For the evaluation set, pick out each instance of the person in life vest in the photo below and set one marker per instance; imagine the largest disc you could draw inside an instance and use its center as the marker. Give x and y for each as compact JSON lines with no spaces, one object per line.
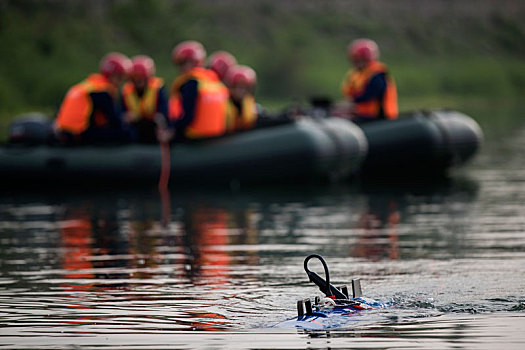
{"x":144,"y":99}
{"x":198,"y":99}
{"x":369,"y":85}
{"x":220,"y":62}
{"x":242,"y":110}
{"x":89,"y":111}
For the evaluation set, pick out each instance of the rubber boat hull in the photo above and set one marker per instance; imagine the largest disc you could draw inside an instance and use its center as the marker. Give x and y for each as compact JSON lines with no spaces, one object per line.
{"x":307,"y":150}
{"x":421,"y":144}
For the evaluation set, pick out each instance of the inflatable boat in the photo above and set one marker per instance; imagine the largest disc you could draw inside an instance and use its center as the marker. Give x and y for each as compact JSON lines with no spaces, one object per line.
{"x":335,"y":310}
{"x":310,"y":149}
{"x":420,"y":144}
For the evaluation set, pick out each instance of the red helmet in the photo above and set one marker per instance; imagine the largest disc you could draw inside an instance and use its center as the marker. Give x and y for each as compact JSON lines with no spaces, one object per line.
{"x":114,"y":63}
{"x":241,"y":75}
{"x":363,"y":49}
{"x":189,"y":50}
{"x":220,"y":62}
{"x":142,"y":67}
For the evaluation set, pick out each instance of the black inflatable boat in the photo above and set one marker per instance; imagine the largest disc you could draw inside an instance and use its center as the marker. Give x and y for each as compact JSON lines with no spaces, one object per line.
{"x":308,"y":150}
{"x":420,"y":144}
{"x":311,"y":149}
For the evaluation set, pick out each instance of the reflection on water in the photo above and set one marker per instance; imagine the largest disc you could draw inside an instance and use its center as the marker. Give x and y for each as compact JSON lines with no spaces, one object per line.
{"x":379,"y":224}
{"x":450,"y":256}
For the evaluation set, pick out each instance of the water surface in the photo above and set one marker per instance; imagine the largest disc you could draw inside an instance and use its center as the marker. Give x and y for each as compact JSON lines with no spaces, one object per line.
{"x":99,"y":269}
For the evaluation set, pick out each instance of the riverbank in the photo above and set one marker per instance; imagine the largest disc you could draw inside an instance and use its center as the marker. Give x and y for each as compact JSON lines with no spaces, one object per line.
{"x":435,"y":49}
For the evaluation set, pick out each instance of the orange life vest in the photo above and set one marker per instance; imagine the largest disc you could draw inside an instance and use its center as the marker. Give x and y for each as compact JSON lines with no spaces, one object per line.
{"x":210,"y":109}
{"x":75,"y":114}
{"x":244,"y":119}
{"x":355,"y":84}
{"x":145,"y":107}
{"x":174,"y":107}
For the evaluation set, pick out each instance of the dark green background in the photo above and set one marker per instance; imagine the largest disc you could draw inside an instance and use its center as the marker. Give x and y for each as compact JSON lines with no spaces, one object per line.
{"x":439,"y":51}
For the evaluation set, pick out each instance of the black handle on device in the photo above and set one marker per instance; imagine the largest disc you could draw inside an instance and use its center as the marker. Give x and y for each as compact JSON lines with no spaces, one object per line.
{"x":324,"y":286}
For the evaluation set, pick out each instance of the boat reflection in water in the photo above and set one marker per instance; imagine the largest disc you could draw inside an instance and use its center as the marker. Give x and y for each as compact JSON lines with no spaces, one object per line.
{"x":120,"y":245}
{"x":91,"y":247}
{"x":378,"y":223}
{"x":224,"y":261}
{"x":204,"y":236}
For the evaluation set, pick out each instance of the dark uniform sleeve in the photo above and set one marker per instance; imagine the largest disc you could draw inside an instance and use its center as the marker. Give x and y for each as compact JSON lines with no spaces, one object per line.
{"x":122,"y":104}
{"x":162,"y":103}
{"x":188,"y":92}
{"x":115,"y":130}
{"x":375,"y":89}
{"x":103,"y":102}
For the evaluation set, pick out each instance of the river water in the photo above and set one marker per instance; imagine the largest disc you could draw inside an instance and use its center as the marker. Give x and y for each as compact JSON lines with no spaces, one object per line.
{"x":111,"y":269}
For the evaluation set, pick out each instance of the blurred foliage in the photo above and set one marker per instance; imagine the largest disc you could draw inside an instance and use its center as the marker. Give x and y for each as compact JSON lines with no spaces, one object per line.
{"x":298,"y":48}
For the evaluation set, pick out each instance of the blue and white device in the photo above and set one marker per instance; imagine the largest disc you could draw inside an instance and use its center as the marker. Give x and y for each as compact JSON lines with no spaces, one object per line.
{"x":332,"y":310}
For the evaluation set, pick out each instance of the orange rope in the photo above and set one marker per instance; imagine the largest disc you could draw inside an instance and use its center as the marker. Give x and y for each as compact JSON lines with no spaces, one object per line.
{"x":165,"y":165}
{"x":164,"y":180}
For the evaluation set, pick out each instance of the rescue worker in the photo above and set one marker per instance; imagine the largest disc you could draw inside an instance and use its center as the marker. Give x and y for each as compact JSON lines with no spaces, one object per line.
{"x":144,"y":99}
{"x":89,"y":111}
{"x":198,"y":94}
{"x":242,"y":110}
{"x":220,"y":62}
{"x":369,"y":86}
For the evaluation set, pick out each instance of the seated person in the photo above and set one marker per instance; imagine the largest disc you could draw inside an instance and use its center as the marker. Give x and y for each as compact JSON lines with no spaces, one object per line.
{"x":88,"y":113}
{"x":369,"y":87}
{"x":198,"y":99}
{"x":144,"y":101}
{"x":242,"y":110}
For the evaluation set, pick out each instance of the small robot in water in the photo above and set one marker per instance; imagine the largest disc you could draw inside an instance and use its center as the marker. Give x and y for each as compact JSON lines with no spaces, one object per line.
{"x":332,"y":310}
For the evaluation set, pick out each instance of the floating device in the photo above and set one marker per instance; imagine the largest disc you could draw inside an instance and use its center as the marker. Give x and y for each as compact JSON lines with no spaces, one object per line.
{"x":332,"y":310}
